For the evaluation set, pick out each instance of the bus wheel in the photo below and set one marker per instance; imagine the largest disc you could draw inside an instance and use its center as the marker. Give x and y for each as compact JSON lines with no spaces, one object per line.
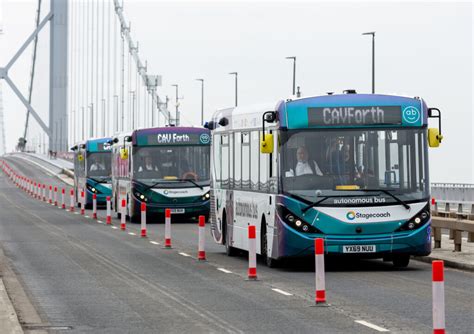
{"x":229,"y":250}
{"x":271,"y":263}
{"x":401,"y":261}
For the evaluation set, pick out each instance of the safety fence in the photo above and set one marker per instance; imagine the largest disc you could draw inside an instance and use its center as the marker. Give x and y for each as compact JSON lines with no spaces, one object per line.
{"x":49,"y":194}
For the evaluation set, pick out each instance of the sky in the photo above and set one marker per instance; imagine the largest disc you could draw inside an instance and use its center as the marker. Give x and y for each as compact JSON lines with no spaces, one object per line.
{"x":422,"y":49}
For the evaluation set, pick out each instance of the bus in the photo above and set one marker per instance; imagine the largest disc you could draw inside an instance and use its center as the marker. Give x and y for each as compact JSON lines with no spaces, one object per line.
{"x":92,"y":170}
{"x":165,"y":167}
{"x":349,"y":168}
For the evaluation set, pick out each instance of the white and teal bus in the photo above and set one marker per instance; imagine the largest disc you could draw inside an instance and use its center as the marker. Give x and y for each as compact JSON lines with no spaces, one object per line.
{"x":349,"y":168}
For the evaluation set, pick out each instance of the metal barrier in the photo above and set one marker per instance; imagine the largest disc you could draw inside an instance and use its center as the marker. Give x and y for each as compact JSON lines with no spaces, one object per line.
{"x":455,"y":227}
{"x":453,"y":200}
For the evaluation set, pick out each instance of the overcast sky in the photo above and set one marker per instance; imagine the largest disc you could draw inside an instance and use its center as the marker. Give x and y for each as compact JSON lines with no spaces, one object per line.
{"x":422,"y":49}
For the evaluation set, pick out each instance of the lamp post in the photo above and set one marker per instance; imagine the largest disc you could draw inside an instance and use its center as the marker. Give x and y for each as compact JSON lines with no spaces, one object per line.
{"x":373,"y":58}
{"x":176,"y":121}
{"x":235,"y":73}
{"x":202,"y":100}
{"x":294,"y":72}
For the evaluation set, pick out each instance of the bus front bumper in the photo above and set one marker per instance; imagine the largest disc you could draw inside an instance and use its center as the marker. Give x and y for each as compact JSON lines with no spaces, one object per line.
{"x":417,"y":242}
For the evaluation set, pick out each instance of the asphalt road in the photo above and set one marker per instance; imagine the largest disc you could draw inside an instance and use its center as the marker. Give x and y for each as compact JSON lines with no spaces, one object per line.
{"x":90,"y":277}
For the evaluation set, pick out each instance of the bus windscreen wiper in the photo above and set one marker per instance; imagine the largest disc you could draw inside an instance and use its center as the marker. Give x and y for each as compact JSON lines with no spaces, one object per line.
{"x":154,"y":184}
{"x":193,"y":182}
{"x":98,"y":181}
{"x":387,"y":192}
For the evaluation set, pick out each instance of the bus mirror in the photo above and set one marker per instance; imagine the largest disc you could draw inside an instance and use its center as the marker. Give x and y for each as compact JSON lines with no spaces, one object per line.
{"x":266,"y":144}
{"x":269,"y":116}
{"x":115,"y":140}
{"x":80,"y":157}
{"x":434,"y":137}
{"x":124,"y":153}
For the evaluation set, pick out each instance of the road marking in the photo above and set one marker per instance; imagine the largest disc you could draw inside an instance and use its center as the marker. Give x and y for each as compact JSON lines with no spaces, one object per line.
{"x":154,"y":243}
{"x":282,"y":292}
{"x":368,"y":324}
{"x":224,"y":270}
{"x":100,"y":222}
{"x":114,"y":227}
{"x":131,"y":233}
{"x":87,"y":216}
{"x":76,"y":213}
{"x":184,"y":254}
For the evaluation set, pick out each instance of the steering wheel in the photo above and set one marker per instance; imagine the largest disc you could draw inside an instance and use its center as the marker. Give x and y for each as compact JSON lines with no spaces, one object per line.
{"x":192,"y":175}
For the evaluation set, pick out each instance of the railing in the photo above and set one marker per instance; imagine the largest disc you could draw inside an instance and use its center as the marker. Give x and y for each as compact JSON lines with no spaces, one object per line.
{"x":456,"y":227}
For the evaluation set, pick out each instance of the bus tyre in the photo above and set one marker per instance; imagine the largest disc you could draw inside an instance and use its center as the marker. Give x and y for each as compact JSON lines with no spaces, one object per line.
{"x":271,"y":263}
{"x":229,"y":250}
{"x":401,"y":261}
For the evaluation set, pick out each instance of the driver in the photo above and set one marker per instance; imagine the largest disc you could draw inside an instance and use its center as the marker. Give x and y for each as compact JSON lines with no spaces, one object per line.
{"x":303,"y":165}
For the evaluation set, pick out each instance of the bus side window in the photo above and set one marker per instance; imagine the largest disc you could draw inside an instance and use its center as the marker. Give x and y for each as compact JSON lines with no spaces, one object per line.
{"x":254,"y":160}
{"x":245,"y":160}
{"x":264,"y":169}
{"x":225,"y":161}
{"x":237,"y":159}
{"x":217,"y":159}
{"x":231,"y":160}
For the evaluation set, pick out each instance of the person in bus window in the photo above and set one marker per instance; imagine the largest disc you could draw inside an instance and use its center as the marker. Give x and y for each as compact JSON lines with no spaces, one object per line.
{"x":96,"y":165}
{"x":148,"y":165}
{"x":304,"y":166}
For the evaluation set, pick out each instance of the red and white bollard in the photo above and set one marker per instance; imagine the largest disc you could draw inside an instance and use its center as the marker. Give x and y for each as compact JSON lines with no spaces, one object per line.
{"x":94,"y":206}
{"x":50,"y":194}
{"x":320,"y":297}
{"x":143,"y":219}
{"x":38,"y":191}
{"x":44,"y":192}
{"x":35,"y":186}
{"x":252,"y":271}
{"x":63,"y":203}
{"x":438,"y":297}
{"x":202,"y":238}
{"x":108,"y":220}
{"x":83,"y":203}
{"x":55,"y":196}
{"x":167,"y":228}
{"x":123,"y":216}
{"x":71,"y":204}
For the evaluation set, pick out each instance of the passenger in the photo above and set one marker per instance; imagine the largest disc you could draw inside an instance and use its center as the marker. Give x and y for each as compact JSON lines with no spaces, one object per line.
{"x":96,"y":165}
{"x":303,"y":166}
{"x":148,"y":165}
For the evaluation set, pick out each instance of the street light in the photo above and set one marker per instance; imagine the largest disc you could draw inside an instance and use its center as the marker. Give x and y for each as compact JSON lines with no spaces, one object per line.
{"x":235,"y":73}
{"x":177,"y":105}
{"x":294,"y":72}
{"x":373,"y":58}
{"x":202,"y":100}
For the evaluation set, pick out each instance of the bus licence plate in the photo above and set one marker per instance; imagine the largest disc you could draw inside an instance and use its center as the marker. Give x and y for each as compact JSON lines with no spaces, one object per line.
{"x":174,"y":211}
{"x":359,"y":249}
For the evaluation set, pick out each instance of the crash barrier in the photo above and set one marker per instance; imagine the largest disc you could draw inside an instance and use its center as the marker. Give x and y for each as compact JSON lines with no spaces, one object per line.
{"x":456,"y":228}
{"x":450,"y":209}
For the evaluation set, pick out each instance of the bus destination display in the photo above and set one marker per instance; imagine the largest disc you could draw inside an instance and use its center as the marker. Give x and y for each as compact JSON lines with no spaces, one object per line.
{"x":370,"y":115}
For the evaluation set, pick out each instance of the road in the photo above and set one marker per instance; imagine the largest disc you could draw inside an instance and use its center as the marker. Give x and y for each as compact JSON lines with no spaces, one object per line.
{"x":90,"y":277}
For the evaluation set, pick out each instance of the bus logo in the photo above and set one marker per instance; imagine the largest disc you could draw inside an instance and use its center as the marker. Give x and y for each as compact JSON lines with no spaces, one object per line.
{"x":204,"y":138}
{"x":351,"y":215}
{"x":411,"y":115}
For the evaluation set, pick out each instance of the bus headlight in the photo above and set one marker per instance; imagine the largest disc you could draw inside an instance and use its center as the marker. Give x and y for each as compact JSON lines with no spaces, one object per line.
{"x":416,"y":221}
{"x":206,"y":196}
{"x":140,"y":196}
{"x":293,"y":221}
{"x":92,"y":189}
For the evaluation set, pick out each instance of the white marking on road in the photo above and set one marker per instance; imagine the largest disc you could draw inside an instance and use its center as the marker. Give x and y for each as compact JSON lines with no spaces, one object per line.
{"x":184,"y":254}
{"x":76,"y":213}
{"x":87,"y":216}
{"x":368,"y":324}
{"x":282,"y":292}
{"x":131,"y":233}
{"x":100,"y":222}
{"x":114,"y":227}
{"x":154,"y":243}
{"x":224,"y":270}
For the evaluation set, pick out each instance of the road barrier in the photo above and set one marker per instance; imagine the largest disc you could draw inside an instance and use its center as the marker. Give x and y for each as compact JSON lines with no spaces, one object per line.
{"x":167,"y":228}
{"x":50,"y":194}
{"x":71,"y":204}
{"x":63,"y":194}
{"x":108,"y":219}
{"x":143,"y":219}
{"x":123,"y":216}
{"x":94,"y":206}
{"x":438,"y":297}
{"x":55,"y":196}
{"x":456,"y":226}
{"x":252,"y":270}
{"x":320,"y":296}
{"x":83,"y":203}
{"x":44,"y":192}
{"x":38,"y":192}
{"x":202,"y":238}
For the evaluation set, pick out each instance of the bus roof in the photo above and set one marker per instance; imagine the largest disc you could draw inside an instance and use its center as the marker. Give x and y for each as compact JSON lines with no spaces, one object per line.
{"x":98,"y":144}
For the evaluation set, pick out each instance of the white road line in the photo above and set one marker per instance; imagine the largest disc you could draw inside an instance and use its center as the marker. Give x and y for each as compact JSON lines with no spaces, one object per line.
{"x":154,"y":243}
{"x":283,"y":292}
{"x":76,"y":213}
{"x":184,"y":254}
{"x":114,"y":227}
{"x":131,"y":233}
{"x":87,"y":216}
{"x":368,"y":324}
{"x":224,"y":270}
{"x":100,"y":222}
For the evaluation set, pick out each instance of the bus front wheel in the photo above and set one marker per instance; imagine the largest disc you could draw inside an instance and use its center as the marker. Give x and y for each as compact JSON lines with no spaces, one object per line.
{"x":401,"y":261}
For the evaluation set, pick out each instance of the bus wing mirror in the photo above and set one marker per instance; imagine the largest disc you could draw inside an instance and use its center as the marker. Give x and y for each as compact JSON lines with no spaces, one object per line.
{"x":266,"y":144}
{"x":434,"y":137}
{"x":124,"y":153}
